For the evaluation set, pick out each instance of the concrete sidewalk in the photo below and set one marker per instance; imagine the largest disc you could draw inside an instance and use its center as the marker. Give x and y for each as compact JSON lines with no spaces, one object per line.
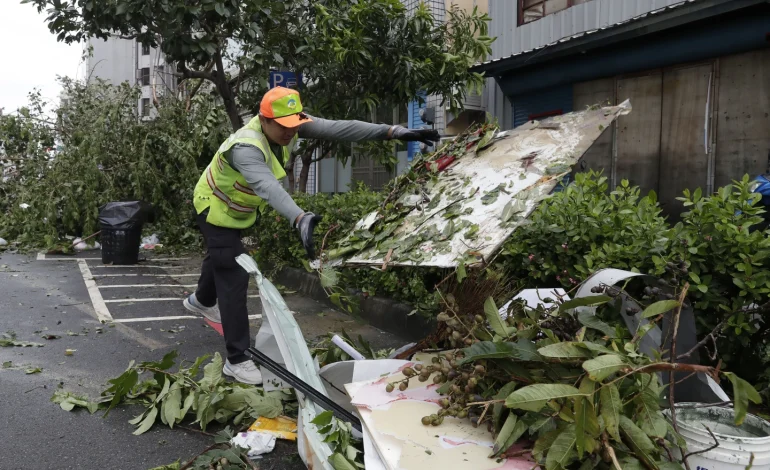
{"x":146,"y":319}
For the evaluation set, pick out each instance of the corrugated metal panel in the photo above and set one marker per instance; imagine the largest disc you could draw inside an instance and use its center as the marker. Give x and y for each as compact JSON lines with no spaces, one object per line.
{"x":513,"y":39}
{"x":545,"y":101}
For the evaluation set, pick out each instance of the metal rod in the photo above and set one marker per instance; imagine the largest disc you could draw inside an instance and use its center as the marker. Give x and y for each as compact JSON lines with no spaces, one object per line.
{"x":316,"y":396}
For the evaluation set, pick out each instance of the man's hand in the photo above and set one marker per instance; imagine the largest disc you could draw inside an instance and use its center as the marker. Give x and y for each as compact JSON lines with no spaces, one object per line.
{"x":305,"y":226}
{"x":426,"y":136}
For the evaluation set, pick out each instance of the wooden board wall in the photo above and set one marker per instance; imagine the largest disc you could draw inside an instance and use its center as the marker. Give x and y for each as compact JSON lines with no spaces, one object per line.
{"x":638,"y":133}
{"x":743,"y":123}
{"x":684,"y":157}
{"x":602,"y":92}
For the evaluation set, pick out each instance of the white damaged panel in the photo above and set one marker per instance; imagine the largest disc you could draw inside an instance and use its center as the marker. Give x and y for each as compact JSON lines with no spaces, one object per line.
{"x":469,"y":209}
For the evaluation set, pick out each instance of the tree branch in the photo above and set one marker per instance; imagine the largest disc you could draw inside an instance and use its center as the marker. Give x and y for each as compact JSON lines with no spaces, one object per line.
{"x":671,"y":379}
{"x":204,"y":74}
{"x":716,"y":444}
{"x":702,"y":342}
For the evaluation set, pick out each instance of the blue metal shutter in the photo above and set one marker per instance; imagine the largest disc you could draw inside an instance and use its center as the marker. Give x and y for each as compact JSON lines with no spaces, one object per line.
{"x":542,"y":101}
{"x":414,"y":122}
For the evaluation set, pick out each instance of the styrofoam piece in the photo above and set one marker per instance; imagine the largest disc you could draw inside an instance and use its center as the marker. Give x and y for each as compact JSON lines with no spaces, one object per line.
{"x":534,"y":297}
{"x":350,"y":350}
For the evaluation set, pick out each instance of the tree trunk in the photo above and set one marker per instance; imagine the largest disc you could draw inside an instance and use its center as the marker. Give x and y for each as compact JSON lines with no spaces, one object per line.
{"x":226,"y":92}
{"x":290,"y":171}
{"x":307,"y":159}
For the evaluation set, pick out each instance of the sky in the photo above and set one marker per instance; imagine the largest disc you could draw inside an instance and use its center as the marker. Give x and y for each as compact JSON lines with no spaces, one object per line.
{"x":31,"y":56}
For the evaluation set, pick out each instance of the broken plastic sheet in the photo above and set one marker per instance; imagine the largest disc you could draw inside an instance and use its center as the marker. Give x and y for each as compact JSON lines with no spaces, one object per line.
{"x":125,"y":214}
{"x":534,"y":297}
{"x":283,"y":342}
{"x":697,"y":388}
{"x":489,"y":194}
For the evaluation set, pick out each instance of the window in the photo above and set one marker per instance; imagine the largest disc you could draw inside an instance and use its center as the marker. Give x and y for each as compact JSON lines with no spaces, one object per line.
{"x":145,"y":76}
{"x":145,"y":49}
{"x":145,"y":106}
{"x":532,"y":10}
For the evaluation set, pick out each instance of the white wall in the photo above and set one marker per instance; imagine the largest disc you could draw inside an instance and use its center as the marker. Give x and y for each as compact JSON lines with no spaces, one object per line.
{"x":113,"y":60}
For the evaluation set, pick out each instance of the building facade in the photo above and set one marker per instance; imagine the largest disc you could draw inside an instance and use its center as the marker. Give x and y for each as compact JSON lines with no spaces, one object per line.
{"x":118,"y":60}
{"x":697,"y":74}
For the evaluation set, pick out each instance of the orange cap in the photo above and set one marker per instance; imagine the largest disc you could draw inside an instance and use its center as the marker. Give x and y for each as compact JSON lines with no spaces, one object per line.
{"x":283,"y":105}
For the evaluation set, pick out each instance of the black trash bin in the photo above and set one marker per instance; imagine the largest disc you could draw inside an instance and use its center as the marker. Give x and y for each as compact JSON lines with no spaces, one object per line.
{"x":121,"y":225}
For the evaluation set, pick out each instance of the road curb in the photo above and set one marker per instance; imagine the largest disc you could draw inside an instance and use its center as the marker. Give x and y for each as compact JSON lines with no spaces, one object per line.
{"x":381,"y":312}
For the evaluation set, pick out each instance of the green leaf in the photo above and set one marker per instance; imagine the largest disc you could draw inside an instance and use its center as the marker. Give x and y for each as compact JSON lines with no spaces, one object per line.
{"x":121,"y":386}
{"x":562,"y":451}
{"x":586,"y":422}
{"x":601,"y":367}
{"x":172,"y":405}
{"x":329,"y":278}
{"x":497,"y":408}
{"x":339,"y":462}
{"x":589,"y":319}
{"x":533,"y":397}
{"x":212,"y":373}
{"x":488,"y":136}
{"x":637,"y":440}
{"x":323,"y":419}
{"x":544,"y":442}
{"x":610,"y":409}
{"x":659,"y":308}
{"x":33,"y":370}
{"x":461,"y":273}
{"x":148,"y":421}
{"x":510,"y":433}
{"x":584,"y":302}
{"x":742,"y":393}
{"x":652,"y":421}
{"x":565,"y":350}
{"x":494,"y":319}
{"x":521,"y":350}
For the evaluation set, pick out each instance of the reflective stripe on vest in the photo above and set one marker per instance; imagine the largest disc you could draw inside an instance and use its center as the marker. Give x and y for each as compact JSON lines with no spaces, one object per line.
{"x":223,"y":197}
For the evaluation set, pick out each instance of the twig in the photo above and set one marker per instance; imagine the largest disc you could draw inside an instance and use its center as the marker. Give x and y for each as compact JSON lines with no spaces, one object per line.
{"x":199,"y":431}
{"x":701,"y":342}
{"x":189,"y":464}
{"x":671,"y":380}
{"x":611,"y":451}
{"x":87,"y":238}
{"x":323,"y":242}
{"x":716,"y":444}
{"x":483,"y":413}
{"x":35,"y":388}
{"x":387,"y":259}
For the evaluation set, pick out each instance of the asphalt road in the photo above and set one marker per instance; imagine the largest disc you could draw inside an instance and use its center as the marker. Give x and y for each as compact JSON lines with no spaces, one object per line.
{"x":39,"y":297}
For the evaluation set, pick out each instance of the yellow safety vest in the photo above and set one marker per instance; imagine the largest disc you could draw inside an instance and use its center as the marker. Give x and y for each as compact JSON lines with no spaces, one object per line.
{"x":225,"y":192}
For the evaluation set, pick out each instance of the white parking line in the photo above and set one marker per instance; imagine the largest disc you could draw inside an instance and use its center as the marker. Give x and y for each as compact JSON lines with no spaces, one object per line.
{"x":135,"y":266}
{"x":142,"y":274}
{"x":180,"y":317}
{"x":157,"y":299}
{"x":102,"y":313}
{"x":42,"y":257}
{"x":146,"y":286}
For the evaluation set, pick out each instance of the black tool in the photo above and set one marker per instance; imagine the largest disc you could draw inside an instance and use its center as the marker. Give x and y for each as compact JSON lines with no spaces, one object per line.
{"x":319,"y":398}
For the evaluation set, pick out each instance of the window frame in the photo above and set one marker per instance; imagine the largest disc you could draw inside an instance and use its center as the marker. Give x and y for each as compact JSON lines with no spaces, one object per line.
{"x":146,"y":107}
{"x":145,"y":48}
{"x":144,"y":77}
{"x":520,"y":10}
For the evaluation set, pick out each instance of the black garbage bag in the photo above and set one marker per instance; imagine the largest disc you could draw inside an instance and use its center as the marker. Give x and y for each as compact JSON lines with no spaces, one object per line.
{"x":126,"y":214}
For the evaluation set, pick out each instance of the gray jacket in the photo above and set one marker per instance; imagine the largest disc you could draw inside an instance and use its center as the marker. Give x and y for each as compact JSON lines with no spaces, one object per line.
{"x":249,"y":161}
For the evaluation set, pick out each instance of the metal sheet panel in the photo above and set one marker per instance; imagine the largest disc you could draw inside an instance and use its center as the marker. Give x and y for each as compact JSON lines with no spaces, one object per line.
{"x":512,"y":39}
{"x":638,"y":134}
{"x":683,"y":147}
{"x":522,"y":167}
{"x":598,"y":92}
{"x":557,"y":98}
{"x":743,"y":122}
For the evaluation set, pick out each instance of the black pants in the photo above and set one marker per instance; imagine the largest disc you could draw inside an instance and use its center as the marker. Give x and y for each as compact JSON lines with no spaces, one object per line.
{"x":223,"y":279}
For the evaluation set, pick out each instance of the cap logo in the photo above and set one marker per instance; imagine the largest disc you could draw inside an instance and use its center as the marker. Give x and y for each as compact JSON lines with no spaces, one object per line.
{"x":292,"y":103}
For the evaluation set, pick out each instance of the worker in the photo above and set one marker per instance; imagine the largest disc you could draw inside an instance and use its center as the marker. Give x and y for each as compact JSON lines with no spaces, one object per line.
{"x":238,"y":184}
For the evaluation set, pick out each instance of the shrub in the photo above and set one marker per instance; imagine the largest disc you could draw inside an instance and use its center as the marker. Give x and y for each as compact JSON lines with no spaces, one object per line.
{"x":583,"y":229}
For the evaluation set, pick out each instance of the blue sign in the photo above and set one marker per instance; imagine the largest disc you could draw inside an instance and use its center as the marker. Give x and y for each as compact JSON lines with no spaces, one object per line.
{"x":285,"y":79}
